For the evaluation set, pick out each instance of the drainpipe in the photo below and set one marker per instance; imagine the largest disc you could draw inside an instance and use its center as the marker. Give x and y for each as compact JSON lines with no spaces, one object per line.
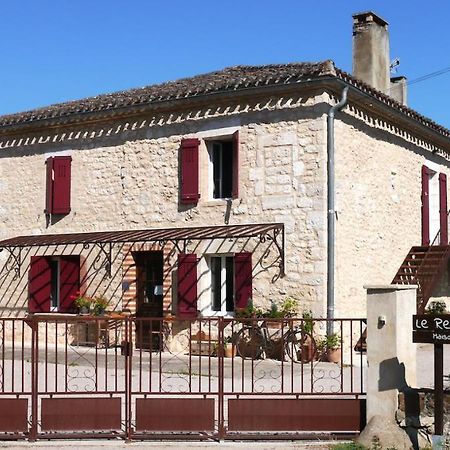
{"x":330,"y":206}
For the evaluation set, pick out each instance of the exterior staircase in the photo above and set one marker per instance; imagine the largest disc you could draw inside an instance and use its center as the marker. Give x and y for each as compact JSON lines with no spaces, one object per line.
{"x":423,"y":266}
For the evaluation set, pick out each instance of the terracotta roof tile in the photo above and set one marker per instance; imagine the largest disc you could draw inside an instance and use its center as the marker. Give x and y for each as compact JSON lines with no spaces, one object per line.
{"x":229,"y":79}
{"x":232,"y":78}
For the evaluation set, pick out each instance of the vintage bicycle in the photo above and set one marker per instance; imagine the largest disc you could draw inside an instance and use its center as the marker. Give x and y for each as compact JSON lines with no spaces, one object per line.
{"x":255,"y":341}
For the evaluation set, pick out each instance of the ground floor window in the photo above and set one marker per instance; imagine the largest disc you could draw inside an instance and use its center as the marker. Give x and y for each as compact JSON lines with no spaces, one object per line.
{"x":214,"y":284}
{"x":222,"y":283}
{"x":53,"y":283}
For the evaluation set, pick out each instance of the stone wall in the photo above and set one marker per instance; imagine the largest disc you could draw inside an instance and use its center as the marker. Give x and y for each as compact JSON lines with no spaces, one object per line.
{"x":125,"y":176}
{"x":378,"y":202}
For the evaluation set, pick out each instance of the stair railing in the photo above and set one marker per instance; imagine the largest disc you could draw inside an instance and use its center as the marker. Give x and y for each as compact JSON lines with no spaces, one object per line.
{"x":424,"y":291}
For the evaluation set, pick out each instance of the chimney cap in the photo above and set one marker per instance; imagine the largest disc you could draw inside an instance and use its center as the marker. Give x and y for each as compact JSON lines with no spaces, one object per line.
{"x":369,"y":16}
{"x":398,"y":79}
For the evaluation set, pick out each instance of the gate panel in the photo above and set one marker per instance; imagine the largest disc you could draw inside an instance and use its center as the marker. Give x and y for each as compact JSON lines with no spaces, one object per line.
{"x":81,"y":414}
{"x":13,"y":415}
{"x":174,"y":387}
{"x":332,"y":415}
{"x":81,"y":377}
{"x":195,"y":414}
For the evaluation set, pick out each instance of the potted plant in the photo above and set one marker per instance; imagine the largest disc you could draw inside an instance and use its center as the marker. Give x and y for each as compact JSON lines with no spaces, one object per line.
{"x":330,"y":348}
{"x":436,"y":307}
{"x":99,"y":306}
{"x":229,"y":347}
{"x":83,"y":303}
{"x":274,"y":313}
{"x":286,"y":310}
{"x":308,"y":349}
{"x":249,"y":312}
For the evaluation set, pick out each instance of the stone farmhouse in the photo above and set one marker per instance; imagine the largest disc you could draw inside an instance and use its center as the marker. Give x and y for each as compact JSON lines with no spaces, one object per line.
{"x":194,"y":196}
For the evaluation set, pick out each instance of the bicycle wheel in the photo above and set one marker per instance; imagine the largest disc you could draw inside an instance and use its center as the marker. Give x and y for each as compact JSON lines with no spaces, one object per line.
{"x":250,"y":343}
{"x":300,"y":346}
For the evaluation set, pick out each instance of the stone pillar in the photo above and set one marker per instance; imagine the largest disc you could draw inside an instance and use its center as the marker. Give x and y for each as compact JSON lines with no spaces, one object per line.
{"x":391,"y":354}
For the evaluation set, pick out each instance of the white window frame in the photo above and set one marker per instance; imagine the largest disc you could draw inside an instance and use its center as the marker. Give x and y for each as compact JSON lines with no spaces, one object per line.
{"x":211,"y":151}
{"x":54,"y":305}
{"x":207,"y":303}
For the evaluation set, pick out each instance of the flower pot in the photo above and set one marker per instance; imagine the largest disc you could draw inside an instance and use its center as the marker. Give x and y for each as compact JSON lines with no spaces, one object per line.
{"x":334,"y":355}
{"x":84,"y":311}
{"x":230,"y":350}
{"x":308,"y":350}
{"x":277,"y":325}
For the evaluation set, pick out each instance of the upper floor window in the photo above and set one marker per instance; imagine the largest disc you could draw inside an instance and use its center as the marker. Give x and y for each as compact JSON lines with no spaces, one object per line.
{"x":57,"y":200}
{"x":223,"y":169}
{"x":434,"y":207}
{"x":220,"y":169}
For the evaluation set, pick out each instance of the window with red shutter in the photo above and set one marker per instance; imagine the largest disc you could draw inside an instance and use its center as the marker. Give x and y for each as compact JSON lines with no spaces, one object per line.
{"x":39,"y":284}
{"x":187,"y":285}
{"x":242,"y":279}
{"x":425,"y":206}
{"x":189,"y":192}
{"x":53,"y":283}
{"x":69,"y":282}
{"x":58,"y":185}
{"x":443,"y":208}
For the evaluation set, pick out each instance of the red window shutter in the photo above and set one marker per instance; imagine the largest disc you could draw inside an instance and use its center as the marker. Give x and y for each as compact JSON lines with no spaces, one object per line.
{"x":242,"y":279}
{"x":425,"y":206}
{"x":61,"y":184}
{"x":69,"y":282}
{"x":39,"y":284}
{"x":235,"y":193}
{"x":187,"y":285}
{"x":49,"y":186}
{"x":189,"y":171}
{"x":443,"y":208}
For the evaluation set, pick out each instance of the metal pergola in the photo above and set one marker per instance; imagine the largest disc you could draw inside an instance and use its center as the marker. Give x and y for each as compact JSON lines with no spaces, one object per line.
{"x":179,"y":237}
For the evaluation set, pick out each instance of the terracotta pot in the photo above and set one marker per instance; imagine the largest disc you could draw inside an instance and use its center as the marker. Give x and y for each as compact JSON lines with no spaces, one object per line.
{"x":334,"y":355}
{"x":230,"y":350}
{"x":277,"y":325}
{"x":308,"y":351}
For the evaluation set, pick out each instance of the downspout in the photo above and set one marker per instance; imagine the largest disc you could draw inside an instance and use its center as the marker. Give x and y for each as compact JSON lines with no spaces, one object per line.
{"x":331,"y":209}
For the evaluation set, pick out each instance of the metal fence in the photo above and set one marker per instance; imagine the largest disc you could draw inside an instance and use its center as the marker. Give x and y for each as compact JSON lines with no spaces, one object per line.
{"x":201,"y":378}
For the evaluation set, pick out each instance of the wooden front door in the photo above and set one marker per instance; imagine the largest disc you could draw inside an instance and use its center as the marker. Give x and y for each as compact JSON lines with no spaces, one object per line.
{"x":149,"y":285}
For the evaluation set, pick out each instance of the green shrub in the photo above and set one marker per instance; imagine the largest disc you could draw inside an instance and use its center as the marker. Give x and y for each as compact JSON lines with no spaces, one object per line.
{"x":437,"y":307}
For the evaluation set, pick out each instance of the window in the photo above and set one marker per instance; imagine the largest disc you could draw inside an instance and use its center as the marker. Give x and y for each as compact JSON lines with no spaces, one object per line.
{"x":58,"y":185}
{"x":53,"y":283}
{"x":223,"y":168}
{"x":434,"y":207}
{"x":222,"y":283}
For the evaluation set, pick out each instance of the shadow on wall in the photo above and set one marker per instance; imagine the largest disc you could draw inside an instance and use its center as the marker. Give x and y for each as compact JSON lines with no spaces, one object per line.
{"x":94,"y":276}
{"x":392,"y":376}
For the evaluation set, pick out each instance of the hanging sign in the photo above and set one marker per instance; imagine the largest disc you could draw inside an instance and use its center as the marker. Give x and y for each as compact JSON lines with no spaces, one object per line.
{"x":431,"y":329}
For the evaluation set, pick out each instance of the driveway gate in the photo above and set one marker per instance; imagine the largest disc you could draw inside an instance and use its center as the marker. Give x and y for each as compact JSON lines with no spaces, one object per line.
{"x":75,"y":376}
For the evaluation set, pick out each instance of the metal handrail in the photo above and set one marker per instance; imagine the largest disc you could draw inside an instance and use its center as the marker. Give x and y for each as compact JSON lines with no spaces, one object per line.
{"x":428,"y":252}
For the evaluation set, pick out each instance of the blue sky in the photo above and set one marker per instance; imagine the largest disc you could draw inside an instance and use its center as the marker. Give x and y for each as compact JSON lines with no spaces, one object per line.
{"x":58,"y":50}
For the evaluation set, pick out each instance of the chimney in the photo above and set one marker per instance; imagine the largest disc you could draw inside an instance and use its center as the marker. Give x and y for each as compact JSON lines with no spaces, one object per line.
{"x":398,"y":89}
{"x":371,"y":62}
